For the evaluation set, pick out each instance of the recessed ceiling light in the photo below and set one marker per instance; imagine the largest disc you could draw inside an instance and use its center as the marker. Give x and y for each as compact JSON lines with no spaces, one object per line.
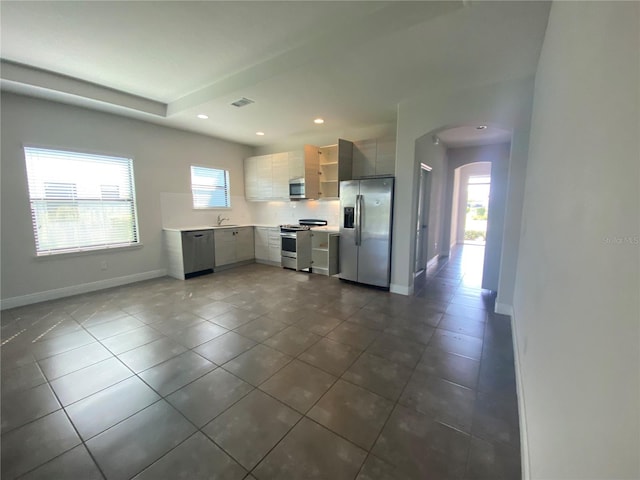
{"x":260,"y":133}
{"x":481,"y":127}
{"x":319,"y":121}
{"x":203,"y":116}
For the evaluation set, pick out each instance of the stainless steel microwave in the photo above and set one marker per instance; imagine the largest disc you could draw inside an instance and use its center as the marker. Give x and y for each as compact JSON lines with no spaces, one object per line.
{"x":296,"y":188}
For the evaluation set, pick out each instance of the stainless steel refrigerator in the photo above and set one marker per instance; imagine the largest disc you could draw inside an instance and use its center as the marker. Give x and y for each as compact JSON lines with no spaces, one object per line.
{"x":366,"y":208}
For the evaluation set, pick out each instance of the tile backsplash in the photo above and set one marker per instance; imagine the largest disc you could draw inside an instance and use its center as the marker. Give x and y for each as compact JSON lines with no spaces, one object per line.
{"x":177,"y":211}
{"x":277,"y":213}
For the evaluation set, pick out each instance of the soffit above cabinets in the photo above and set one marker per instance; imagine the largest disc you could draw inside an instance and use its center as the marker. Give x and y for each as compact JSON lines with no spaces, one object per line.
{"x":348,"y":62}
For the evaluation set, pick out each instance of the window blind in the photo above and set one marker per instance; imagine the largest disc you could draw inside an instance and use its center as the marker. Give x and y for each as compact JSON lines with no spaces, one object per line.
{"x":80,"y":201}
{"x":210,"y":187}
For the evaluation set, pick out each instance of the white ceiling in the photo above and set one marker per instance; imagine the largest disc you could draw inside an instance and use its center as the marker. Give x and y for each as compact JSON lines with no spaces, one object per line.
{"x":469,"y":135}
{"x":348,"y":62}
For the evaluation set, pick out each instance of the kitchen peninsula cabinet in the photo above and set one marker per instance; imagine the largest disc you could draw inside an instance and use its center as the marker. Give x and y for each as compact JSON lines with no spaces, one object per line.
{"x":233,"y":245}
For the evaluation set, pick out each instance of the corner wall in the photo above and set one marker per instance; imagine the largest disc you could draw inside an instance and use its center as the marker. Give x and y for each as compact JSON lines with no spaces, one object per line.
{"x":435,"y":156}
{"x":507,"y":105}
{"x":576,"y":300}
{"x":161,"y":160}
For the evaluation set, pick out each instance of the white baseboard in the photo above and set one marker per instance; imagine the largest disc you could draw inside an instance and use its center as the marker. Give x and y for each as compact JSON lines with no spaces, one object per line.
{"x":522,"y":413}
{"x":22,"y":300}
{"x":433,"y":261}
{"x":504,"y":309}
{"x":401,"y":289}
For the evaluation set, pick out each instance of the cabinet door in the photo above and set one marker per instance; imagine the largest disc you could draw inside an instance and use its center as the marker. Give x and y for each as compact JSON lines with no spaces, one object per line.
{"x":261,"y":239}
{"x":345,"y":160}
{"x":275,"y":248}
{"x":265,"y":177}
{"x":224,"y":242}
{"x":296,"y":164}
{"x":311,"y":169}
{"x":280,"y":176}
{"x":251,"y":178}
{"x":244,"y":241}
{"x":364,"y":158}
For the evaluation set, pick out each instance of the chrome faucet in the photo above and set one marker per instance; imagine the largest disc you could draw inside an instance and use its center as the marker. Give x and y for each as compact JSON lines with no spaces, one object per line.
{"x":221,"y":219}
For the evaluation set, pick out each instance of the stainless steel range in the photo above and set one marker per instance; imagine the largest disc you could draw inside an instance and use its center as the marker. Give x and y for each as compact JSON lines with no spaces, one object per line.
{"x":295,"y":241}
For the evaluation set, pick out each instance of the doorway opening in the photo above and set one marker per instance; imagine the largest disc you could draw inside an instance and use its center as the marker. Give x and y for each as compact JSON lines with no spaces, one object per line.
{"x":477,"y":210}
{"x":470,"y":206}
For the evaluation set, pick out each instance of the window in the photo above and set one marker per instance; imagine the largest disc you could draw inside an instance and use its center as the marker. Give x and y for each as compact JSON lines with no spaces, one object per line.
{"x":80,"y":201}
{"x":210,"y":187}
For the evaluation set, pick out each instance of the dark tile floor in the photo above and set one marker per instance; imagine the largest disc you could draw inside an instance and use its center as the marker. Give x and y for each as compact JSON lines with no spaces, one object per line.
{"x":265,"y":373}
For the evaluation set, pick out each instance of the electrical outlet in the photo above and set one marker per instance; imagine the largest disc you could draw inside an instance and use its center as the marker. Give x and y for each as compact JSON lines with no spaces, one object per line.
{"x":103,"y":265}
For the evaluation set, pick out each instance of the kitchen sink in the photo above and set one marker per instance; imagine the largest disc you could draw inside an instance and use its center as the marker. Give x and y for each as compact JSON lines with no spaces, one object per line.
{"x":226,"y":225}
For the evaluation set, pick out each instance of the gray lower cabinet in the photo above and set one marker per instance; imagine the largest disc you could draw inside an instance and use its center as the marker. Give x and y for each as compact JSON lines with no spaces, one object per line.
{"x":233,"y":245}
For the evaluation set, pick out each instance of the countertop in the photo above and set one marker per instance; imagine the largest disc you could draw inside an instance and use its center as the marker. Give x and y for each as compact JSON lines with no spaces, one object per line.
{"x":328,"y":228}
{"x":206,"y":227}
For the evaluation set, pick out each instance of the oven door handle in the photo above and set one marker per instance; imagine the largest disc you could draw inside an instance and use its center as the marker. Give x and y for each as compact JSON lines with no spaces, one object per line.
{"x":287,"y":235}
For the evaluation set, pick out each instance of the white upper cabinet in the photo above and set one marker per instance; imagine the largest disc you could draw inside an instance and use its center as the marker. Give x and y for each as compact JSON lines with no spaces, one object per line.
{"x":280,"y":176}
{"x":266,"y":177}
{"x":251,"y":191}
{"x":374,"y":157}
{"x":296,"y":164}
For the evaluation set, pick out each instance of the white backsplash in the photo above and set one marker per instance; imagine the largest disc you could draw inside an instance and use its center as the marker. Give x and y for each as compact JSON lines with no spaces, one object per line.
{"x":177,"y":211}
{"x":277,"y":213}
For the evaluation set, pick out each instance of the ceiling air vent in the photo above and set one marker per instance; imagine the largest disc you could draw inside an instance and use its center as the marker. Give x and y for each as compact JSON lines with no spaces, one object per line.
{"x":242,"y":102}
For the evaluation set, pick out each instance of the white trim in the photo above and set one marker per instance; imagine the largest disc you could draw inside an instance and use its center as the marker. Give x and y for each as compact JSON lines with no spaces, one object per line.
{"x":78,"y":289}
{"x":504,"y":309}
{"x":401,"y":289}
{"x":522,"y":412}
{"x":433,"y":261}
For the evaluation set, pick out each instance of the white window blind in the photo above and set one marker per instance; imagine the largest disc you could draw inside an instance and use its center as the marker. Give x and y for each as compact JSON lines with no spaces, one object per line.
{"x":210,"y":187}
{"x":80,"y":201}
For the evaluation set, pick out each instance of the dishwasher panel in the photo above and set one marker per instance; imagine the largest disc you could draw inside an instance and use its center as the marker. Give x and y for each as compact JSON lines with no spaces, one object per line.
{"x":197,"y":252}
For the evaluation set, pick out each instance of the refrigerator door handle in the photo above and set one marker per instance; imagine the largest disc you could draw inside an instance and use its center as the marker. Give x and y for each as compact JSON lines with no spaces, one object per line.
{"x":358,"y":220}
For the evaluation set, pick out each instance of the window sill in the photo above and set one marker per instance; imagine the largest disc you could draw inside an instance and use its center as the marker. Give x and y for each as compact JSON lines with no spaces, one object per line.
{"x":52,"y":256}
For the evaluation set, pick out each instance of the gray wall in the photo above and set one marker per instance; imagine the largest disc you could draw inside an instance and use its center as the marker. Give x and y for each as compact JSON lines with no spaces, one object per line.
{"x":161,"y":157}
{"x":576,"y":301}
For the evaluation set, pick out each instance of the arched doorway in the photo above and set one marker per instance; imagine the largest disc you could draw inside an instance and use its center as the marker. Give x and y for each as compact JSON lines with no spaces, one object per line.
{"x":454,"y":163}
